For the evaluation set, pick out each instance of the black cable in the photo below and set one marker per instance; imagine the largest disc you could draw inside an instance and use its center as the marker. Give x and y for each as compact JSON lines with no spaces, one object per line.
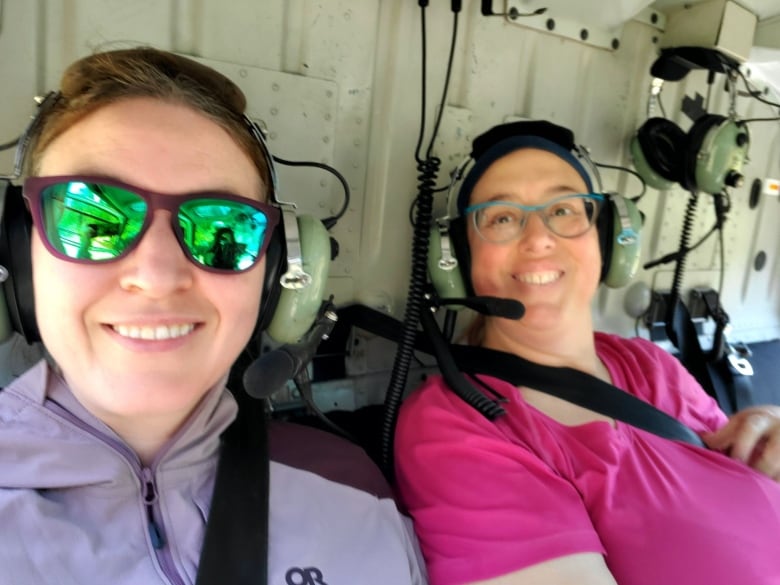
{"x":760,"y":120}
{"x":454,"y":378}
{"x":423,"y":86}
{"x":722,"y":264}
{"x":11,"y":144}
{"x":710,"y":81}
{"x":721,"y":209}
{"x":755,"y":94}
{"x":304,"y":386}
{"x":417,"y":282}
{"x":476,"y":380}
{"x":677,"y":254}
{"x":679,"y":269}
{"x":329,"y":222}
{"x":448,"y":329}
{"x":631,"y":172}
{"x":450,"y":60}
{"x":428,"y":171}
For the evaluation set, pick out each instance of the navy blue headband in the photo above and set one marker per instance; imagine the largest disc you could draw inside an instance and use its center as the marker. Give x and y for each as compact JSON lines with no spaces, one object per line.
{"x":510,"y":144}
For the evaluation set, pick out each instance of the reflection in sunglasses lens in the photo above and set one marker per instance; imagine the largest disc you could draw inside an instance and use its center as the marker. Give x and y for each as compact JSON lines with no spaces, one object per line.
{"x":94,"y":222}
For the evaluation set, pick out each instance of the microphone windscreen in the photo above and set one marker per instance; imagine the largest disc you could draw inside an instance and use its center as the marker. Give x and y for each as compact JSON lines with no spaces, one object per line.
{"x":506,"y":308}
{"x":268,"y":374}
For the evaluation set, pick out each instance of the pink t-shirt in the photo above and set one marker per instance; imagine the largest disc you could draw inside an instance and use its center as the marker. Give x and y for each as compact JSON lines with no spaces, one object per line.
{"x":490,"y":498}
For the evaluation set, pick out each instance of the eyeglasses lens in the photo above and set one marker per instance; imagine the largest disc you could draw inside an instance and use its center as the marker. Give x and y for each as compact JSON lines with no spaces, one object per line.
{"x":567,"y":217}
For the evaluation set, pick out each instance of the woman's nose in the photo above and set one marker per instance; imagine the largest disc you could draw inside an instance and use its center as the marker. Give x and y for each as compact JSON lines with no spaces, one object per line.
{"x":158,"y":266}
{"x":534,"y":231}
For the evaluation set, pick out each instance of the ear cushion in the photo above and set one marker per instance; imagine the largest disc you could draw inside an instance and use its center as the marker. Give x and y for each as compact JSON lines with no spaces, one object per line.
{"x":15,"y":239}
{"x":296,"y":310}
{"x":658,"y":149}
{"x":620,"y":259}
{"x":696,"y":136}
{"x":275,"y":265}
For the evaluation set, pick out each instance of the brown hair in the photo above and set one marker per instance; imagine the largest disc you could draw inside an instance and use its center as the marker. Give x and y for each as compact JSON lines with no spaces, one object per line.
{"x":104,"y":78}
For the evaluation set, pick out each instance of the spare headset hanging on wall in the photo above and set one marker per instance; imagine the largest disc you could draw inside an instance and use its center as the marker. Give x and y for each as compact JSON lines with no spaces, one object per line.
{"x":708,"y":158}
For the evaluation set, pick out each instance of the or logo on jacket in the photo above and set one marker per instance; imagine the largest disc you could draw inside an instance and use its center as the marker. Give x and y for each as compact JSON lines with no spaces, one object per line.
{"x":307,"y":576}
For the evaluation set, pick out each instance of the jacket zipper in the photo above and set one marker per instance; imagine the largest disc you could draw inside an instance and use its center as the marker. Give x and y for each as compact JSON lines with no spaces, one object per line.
{"x":150,"y":498}
{"x":148,"y":488}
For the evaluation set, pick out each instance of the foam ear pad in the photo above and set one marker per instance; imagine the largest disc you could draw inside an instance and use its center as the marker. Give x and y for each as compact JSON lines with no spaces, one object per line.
{"x":658,"y":148}
{"x":15,"y":239}
{"x":622,"y":261}
{"x":296,"y":310}
{"x":275,"y":265}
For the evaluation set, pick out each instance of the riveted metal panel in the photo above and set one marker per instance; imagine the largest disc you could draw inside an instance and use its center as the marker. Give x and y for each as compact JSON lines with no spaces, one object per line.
{"x":367,"y":54}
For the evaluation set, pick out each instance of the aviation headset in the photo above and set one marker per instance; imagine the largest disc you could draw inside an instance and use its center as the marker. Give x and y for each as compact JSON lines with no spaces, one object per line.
{"x":618,"y":223}
{"x":708,"y":158}
{"x":297,"y":257}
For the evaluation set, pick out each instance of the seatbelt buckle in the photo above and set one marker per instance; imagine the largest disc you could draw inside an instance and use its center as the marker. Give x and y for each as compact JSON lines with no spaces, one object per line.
{"x":738,"y":354}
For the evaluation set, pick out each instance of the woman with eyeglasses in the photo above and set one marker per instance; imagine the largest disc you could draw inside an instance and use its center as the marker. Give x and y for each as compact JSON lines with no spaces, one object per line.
{"x":551,"y":493}
{"x":109,"y":448}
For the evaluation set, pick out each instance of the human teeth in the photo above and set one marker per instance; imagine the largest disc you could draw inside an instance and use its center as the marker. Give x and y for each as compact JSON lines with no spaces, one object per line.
{"x":156,"y":332}
{"x":538,"y":277}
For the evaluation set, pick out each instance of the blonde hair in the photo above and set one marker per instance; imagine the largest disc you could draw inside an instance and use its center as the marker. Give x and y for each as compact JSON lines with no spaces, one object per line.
{"x":104,"y":78}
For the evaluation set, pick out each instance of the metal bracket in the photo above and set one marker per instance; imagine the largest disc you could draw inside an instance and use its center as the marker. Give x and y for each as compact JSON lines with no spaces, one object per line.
{"x":520,"y":12}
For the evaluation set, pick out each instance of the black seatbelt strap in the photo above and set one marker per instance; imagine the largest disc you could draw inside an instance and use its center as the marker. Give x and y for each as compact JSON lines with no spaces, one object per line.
{"x":565,"y":383}
{"x":576,"y":387}
{"x":235,"y":547}
{"x":725,"y":374}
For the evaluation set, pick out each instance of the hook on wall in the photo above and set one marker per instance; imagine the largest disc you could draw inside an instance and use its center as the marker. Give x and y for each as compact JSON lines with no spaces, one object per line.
{"x":513,"y":13}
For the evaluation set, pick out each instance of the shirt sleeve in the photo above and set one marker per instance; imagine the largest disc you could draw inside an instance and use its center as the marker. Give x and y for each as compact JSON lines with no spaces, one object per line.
{"x":483,"y":503}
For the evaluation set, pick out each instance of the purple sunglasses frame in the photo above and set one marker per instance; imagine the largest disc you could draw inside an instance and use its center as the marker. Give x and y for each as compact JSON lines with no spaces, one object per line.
{"x":34,"y":186}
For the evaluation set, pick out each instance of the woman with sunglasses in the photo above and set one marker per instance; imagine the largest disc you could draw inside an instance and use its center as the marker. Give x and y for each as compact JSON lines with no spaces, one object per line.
{"x":135,"y":170}
{"x":551,"y":493}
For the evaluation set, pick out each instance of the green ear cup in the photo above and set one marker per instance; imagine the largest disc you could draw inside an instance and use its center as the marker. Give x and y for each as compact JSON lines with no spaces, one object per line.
{"x":297,"y":309}
{"x":448,"y":283}
{"x":721,"y":156}
{"x":625,"y":256}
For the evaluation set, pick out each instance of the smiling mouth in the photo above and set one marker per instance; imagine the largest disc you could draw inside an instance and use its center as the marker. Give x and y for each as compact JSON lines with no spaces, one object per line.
{"x":153,"y":333}
{"x":538,"y":277}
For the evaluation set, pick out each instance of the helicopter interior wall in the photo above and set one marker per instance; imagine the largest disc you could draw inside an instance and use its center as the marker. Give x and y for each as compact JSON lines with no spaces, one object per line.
{"x":340,"y":82}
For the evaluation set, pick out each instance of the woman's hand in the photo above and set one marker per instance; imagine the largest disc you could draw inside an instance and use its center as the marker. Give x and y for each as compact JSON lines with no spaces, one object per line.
{"x":752,"y":436}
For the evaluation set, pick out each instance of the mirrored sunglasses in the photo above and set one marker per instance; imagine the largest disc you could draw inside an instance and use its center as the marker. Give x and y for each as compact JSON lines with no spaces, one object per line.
{"x":94,"y":220}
